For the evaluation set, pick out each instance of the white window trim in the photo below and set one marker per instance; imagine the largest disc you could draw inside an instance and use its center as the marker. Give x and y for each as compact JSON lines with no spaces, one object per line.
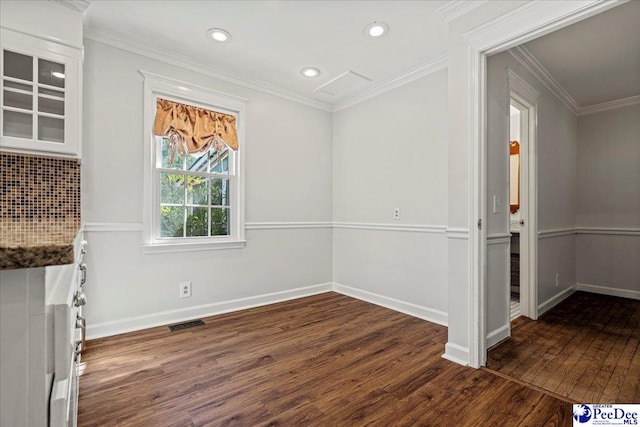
{"x":159,"y":86}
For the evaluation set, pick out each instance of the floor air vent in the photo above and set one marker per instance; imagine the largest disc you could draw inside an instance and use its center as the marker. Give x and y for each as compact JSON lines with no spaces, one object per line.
{"x":185,"y":325}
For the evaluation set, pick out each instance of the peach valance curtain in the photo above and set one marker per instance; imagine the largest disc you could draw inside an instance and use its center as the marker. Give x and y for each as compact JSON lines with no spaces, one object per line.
{"x":192,"y":129}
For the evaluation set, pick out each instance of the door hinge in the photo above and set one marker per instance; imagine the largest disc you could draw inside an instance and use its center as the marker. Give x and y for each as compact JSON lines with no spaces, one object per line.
{"x":479,"y":223}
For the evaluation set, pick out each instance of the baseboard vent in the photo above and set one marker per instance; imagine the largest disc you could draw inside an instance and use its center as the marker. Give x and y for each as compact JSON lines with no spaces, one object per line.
{"x":185,"y":325}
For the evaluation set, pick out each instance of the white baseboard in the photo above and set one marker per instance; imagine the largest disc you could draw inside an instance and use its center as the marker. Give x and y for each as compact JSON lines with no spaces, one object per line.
{"x":456,"y":354}
{"x":555,"y":300}
{"x":605,"y":290}
{"x":500,"y":334}
{"x":425,"y":313}
{"x":173,"y":316}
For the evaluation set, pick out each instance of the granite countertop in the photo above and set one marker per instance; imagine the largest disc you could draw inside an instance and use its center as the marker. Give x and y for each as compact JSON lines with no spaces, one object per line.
{"x":27,"y":244}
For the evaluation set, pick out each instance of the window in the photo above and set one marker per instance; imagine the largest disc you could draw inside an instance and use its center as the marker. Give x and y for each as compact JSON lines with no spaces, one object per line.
{"x":194,"y":144}
{"x":194,"y":191}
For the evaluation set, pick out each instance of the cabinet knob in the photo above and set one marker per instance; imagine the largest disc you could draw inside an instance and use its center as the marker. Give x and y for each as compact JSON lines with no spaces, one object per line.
{"x":79,"y":299}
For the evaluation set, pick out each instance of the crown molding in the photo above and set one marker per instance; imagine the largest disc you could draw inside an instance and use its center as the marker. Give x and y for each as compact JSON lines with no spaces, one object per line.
{"x":77,"y":5}
{"x":111,"y":39}
{"x":457,"y":8}
{"x":528,"y":61}
{"x":610,"y":105}
{"x":422,"y":70}
{"x":542,"y":17}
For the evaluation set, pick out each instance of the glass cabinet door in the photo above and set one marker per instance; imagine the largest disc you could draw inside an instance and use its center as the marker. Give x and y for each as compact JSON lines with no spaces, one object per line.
{"x":33,"y":97}
{"x":40,"y":96}
{"x":17,"y":91}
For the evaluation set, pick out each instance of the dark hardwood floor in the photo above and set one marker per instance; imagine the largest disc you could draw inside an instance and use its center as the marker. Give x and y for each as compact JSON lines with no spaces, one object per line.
{"x":326,"y":360}
{"x":584,"y":349}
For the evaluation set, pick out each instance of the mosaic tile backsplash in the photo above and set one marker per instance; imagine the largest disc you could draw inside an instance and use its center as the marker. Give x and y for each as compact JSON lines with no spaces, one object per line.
{"x":35,"y":188}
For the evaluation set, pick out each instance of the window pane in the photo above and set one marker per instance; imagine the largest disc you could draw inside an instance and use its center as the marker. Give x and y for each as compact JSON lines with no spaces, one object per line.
{"x":171,"y":221}
{"x":50,"y":73}
{"x":197,"y":221}
{"x":165,"y":152}
{"x":18,"y":66}
{"x":220,"y":221}
{"x":220,"y":162}
{"x":171,"y":188}
{"x":220,"y":192}
{"x":197,"y":161}
{"x":197,"y":190}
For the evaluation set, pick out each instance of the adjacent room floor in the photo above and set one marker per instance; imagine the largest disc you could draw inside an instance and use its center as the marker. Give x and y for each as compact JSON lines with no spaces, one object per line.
{"x":323,"y":360}
{"x":585,"y":349}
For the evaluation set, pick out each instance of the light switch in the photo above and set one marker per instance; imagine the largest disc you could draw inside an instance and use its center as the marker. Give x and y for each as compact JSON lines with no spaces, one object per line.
{"x":496,"y":204}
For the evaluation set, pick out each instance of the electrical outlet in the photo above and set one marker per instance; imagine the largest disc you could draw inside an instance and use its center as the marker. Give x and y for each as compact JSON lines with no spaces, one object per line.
{"x":185,"y":289}
{"x":557,"y":279}
{"x":396,"y":213}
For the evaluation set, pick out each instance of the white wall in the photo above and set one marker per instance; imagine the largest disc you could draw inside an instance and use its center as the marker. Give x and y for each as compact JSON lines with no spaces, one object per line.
{"x":391,"y":152}
{"x":556,"y":159}
{"x":288,"y":179}
{"x":608,"y":215}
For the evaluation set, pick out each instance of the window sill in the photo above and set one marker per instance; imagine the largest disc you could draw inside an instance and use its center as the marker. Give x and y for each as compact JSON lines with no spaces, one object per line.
{"x":159,"y":248}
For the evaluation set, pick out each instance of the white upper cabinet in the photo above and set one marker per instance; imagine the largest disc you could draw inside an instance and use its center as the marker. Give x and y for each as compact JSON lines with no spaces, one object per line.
{"x":41,"y":76}
{"x":40,"y":96}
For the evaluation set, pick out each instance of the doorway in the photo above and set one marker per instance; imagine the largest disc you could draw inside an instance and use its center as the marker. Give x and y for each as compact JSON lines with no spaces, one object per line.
{"x":515,"y":181}
{"x":523,"y":197}
{"x":470,"y":53}
{"x":522,"y":206}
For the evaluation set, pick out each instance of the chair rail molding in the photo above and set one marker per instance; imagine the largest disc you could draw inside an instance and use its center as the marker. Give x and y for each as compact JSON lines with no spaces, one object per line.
{"x":498,"y":238}
{"x":416,"y":228}
{"x":557,"y":232}
{"x":110,"y":227}
{"x":609,"y":231}
{"x":458,"y":233}
{"x":107,"y":227}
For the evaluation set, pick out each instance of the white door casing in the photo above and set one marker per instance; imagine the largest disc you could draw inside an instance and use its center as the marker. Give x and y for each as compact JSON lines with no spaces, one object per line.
{"x":532,"y":20}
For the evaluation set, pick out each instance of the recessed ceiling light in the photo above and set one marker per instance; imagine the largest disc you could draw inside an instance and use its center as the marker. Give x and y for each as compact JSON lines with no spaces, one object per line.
{"x":219,"y":35}
{"x":58,"y":74}
{"x":376,"y":29}
{"x":310,"y":72}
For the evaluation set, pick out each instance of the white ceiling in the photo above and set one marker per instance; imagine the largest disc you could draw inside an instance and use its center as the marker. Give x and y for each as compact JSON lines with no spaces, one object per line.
{"x":273,"y":40}
{"x":596,"y":60}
